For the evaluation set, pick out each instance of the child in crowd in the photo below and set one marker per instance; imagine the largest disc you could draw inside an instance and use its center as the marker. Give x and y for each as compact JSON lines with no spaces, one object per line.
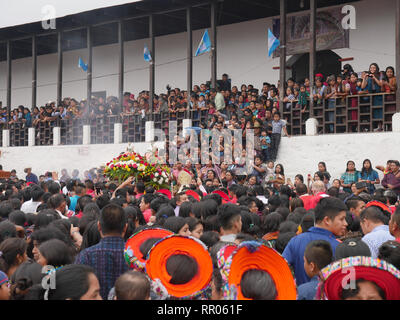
{"x":265,"y":142}
{"x":318,"y":254}
{"x":303,"y":98}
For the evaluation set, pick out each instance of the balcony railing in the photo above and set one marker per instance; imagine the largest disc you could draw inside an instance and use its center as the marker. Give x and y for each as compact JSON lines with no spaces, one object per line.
{"x":354,"y":113}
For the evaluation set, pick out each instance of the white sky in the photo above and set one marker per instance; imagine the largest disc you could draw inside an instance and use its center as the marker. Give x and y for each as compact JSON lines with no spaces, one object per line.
{"x":16,"y":12}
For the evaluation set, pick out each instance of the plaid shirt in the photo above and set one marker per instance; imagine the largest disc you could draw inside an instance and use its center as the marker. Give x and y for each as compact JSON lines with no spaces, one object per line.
{"x":107,"y":259}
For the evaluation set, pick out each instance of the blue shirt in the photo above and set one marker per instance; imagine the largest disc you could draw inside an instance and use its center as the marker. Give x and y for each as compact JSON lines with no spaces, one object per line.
{"x":107,"y":259}
{"x":73,"y":203}
{"x":32,"y":178}
{"x":308,"y":291}
{"x":294,"y":251}
{"x":376,"y":238}
{"x":371,"y":176}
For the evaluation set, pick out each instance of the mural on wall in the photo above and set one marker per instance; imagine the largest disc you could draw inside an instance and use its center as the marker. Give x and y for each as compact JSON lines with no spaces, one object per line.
{"x":330,"y":33}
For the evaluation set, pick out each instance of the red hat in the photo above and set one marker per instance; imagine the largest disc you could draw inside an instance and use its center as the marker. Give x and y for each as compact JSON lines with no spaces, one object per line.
{"x":379,"y":204}
{"x":194,"y":194}
{"x":132,"y":253}
{"x":166,"y":192}
{"x":383,"y":274}
{"x":254,"y":255}
{"x":225,"y":198}
{"x":156,"y":266}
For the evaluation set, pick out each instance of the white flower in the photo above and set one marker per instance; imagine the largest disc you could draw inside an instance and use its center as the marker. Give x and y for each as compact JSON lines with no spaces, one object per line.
{"x":161,"y":181}
{"x":155,"y":180}
{"x":164,"y":174}
{"x":156,"y":174}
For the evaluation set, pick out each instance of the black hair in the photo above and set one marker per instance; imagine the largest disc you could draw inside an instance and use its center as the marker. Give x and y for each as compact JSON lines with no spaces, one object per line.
{"x":37,"y":193}
{"x":11,"y":248}
{"x":390,"y":252}
{"x":53,"y":187}
{"x":164,"y":212}
{"x":282,"y":240}
{"x":271,"y":222}
{"x":227,"y":214}
{"x":301,"y":189}
{"x":56,"y":253}
{"x":205,"y":208}
{"x":91,"y":208}
{"x":185,"y":209}
{"x":288,"y":226}
{"x":25,"y":276}
{"x":375,"y":215}
{"x":193,"y":223}
{"x":283,"y":211}
{"x":174,"y":224}
{"x":156,"y":203}
{"x":102,"y":201}
{"x":91,"y":236}
{"x":112,"y":219}
{"x":132,"y":285}
{"x":349,"y":293}
{"x":295,"y":217}
{"x":318,"y":252}
{"x":72,"y":283}
{"x":182,"y":268}
{"x":307,"y":222}
{"x":209,"y":238}
{"x":45,"y":217}
{"x":258,"y":285}
{"x":17,"y":217}
{"x":328,"y":207}
{"x":83,"y":202}
{"x":55,"y":201}
{"x":147,"y":245}
{"x":7,"y":230}
{"x":6,"y":208}
{"x":48,"y":233}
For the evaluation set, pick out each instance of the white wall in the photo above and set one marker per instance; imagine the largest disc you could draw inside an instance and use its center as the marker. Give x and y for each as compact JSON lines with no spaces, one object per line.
{"x":296,"y":154}
{"x":300,"y":155}
{"x":242,"y":53}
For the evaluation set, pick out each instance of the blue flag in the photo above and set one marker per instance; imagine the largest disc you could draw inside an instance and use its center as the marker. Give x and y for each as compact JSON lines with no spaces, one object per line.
{"x":273,"y":43}
{"x":205,"y":44}
{"x":146,"y":54}
{"x":82,"y":65}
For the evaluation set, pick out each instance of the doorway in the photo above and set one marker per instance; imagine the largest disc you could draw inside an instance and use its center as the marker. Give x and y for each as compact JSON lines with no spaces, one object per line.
{"x":327,"y":63}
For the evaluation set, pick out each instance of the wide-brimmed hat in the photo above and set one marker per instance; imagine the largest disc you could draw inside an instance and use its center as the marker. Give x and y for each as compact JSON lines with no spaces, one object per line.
{"x":382,"y":273}
{"x":133,"y":255}
{"x":193,"y":193}
{"x":156,"y":266}
{"x":255,"y":255}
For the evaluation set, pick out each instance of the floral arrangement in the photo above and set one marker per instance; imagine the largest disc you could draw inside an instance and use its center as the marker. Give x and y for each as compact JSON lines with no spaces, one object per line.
{"x":149,"y":170}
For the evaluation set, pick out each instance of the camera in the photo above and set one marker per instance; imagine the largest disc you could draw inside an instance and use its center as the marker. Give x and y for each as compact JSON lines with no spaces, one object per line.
{"x":168,"y":87}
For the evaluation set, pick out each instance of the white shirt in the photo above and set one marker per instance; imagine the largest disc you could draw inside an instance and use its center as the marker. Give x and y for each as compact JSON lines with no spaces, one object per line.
{"x":30,"y":206}
{"x":228,"y":238}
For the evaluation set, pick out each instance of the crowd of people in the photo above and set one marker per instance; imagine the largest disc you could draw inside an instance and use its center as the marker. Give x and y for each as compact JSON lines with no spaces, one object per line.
{"x":214,"y":236}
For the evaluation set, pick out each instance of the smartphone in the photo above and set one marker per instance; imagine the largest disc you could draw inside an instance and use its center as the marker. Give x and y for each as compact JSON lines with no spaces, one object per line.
{"x":98,"y":190}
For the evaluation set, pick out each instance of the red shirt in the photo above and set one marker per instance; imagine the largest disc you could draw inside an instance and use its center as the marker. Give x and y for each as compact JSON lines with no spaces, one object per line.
{"x":308,"y":201}
{"x":318,"y":197}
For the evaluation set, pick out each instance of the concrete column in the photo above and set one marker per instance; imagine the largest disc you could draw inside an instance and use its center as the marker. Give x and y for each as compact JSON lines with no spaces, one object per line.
{"x":311,"y":127}
{"x":186,"y":123}
{"x":117,"y":133}
{"x":6,"y":138}
{"x":395,"y":123}
{"x":86,"y":134}
{"x":31,"y":137}
{"x":149,"y":131}
{"x":56,"y":136}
